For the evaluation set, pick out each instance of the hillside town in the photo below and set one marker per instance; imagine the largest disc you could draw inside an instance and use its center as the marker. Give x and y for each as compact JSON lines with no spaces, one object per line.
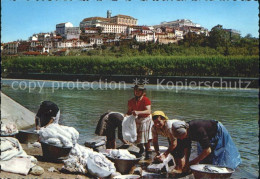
{"x":94,"y":32}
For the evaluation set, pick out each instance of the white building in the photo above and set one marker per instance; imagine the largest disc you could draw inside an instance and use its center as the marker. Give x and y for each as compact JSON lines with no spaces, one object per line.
{"x":96,"y":40}
{"x":67,"y":31}
{"x":11,"y":48}
{"x":118,"y":20}
{"x":34,"y":37}
{"x":43,"y":36}
{"x":113,"y":28}
{"x":146,"y":37}
{"x":180,"y":23}
{"x":60,"y":28}
{"x":178,"y":34}
{"x":91,"y":30}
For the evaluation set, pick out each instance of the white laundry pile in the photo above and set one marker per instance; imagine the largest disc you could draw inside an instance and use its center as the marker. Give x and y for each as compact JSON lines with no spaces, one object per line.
{"x":13,"y":158}
{"x":82,"y":159}
{"x":62,"y":136}
{"x":98,"y":165}
{"x":120,"y":154}
{"x":8,"y":128}
{"x":77,"y":160}
{"x":129,"y":128}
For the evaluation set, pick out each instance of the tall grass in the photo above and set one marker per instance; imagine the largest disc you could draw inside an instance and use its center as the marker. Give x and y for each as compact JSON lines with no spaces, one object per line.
{"x":231,"y":66}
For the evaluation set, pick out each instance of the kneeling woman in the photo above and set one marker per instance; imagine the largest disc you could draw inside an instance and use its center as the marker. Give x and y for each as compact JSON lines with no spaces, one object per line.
{"x":215,"y":145}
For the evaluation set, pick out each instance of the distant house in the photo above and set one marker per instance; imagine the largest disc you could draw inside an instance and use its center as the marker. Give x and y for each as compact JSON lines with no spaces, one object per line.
{"x":96,"y":40}
{"x":31,"y":53}
{"x":61,"y":52}
{"x":91,"y":30}
{"x":11,"y":48}
{"x":23,"y":46}
{"x":146,"y":37}
{"x":67,"y":31}
{"x":146,"y":30}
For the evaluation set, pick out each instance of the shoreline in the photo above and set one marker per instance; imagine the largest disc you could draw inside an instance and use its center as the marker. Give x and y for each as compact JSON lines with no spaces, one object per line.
{"x":174,"y":81}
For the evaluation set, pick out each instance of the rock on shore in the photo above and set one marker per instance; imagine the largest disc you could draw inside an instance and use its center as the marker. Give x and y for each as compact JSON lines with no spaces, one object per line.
{"x":11,"y":111}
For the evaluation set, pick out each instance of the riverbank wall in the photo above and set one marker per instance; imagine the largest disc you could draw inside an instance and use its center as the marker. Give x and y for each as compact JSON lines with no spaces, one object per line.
{"x":224,"y":82}
{"x":11,"y":111}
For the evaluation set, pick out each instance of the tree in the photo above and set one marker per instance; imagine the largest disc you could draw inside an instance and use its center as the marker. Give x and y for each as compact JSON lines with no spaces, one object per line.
{"x":218,"y":37}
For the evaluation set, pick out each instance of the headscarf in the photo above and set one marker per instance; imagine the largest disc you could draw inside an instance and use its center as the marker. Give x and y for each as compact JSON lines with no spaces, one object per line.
{"x":159,"y":113}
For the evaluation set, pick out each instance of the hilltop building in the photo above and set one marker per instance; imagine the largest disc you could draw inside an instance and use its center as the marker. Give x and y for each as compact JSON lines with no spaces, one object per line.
{"x":179,"y":23}
{"x":115,"y":24}
{"x":67,"y":31}
{"x":181,"y":27}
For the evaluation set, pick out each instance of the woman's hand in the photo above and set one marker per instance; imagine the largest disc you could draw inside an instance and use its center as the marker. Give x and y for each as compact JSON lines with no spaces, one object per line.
{"x":160,"y":158}
{"x":186,"y":168}
{"x":135,"y":113}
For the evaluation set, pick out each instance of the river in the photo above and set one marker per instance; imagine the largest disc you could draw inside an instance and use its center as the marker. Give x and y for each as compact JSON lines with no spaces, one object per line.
{"x":237,"y":109}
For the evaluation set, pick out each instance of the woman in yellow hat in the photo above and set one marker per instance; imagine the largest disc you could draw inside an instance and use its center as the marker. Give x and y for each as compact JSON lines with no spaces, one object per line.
{"x":163,"y":126}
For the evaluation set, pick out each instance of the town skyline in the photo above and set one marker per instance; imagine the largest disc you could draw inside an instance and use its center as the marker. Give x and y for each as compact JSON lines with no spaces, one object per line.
{"x":66,"y":13}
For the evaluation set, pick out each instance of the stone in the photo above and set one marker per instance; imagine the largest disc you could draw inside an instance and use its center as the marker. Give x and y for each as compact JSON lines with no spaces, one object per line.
{"x":36,"y":144}
{"x":136,"y":171}
{"x":52,"y":169}
{"x":37,"y":170}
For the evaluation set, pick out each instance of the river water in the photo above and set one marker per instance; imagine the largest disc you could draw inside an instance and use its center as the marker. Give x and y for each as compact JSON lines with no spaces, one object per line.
{"x":237,"y":109}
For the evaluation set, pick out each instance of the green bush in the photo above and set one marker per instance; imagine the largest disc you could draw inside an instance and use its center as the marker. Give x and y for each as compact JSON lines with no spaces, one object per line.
{"x":229,"y":66}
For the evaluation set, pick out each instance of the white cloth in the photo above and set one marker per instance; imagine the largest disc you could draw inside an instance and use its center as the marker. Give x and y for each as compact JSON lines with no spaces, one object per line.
{"x":82,"y":159}
{"x":17,"y":165}
{"x":13,"y":158}
{"x":99,"y":165}
{"x":59,"y":135}
{"x":129,"y":128}
{"x":77,"y":159}
{"x":57,"y":118}
{"x":8,"y":128}
{"x":120,"y":154}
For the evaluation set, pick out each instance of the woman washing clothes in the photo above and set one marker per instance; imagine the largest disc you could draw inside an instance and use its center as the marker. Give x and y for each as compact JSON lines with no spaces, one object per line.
{"x":215,"y":145}
{"x":177,"y":148}
{"x":107,"y":125}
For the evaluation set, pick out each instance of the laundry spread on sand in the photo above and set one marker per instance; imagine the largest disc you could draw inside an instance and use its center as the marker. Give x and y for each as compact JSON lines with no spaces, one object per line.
{"x":13,"y":158}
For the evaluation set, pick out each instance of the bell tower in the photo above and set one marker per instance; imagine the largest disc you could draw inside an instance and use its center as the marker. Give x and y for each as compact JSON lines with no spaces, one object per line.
{"x":109,"y":14}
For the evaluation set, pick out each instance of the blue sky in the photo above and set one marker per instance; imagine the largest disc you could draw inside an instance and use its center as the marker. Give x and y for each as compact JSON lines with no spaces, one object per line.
{"x":22,"y":18}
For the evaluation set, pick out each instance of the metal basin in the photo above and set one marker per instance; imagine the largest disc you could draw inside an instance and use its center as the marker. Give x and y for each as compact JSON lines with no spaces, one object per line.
{"x":126,"y":176}
{"x":25,"y":136}
{"x":198,"y":172}
{"x":125,"y":165}
{"x":52,"y":152}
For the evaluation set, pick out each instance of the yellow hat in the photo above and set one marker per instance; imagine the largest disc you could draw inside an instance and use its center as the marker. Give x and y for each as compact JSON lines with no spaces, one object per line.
{"x":159,"y":113}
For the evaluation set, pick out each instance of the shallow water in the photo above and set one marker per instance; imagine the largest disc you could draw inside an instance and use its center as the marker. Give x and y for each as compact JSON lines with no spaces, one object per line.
{"x":81,"y":108}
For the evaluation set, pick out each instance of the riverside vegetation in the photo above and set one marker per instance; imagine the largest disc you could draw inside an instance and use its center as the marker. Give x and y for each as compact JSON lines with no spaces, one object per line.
{"x":219,"y":54}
